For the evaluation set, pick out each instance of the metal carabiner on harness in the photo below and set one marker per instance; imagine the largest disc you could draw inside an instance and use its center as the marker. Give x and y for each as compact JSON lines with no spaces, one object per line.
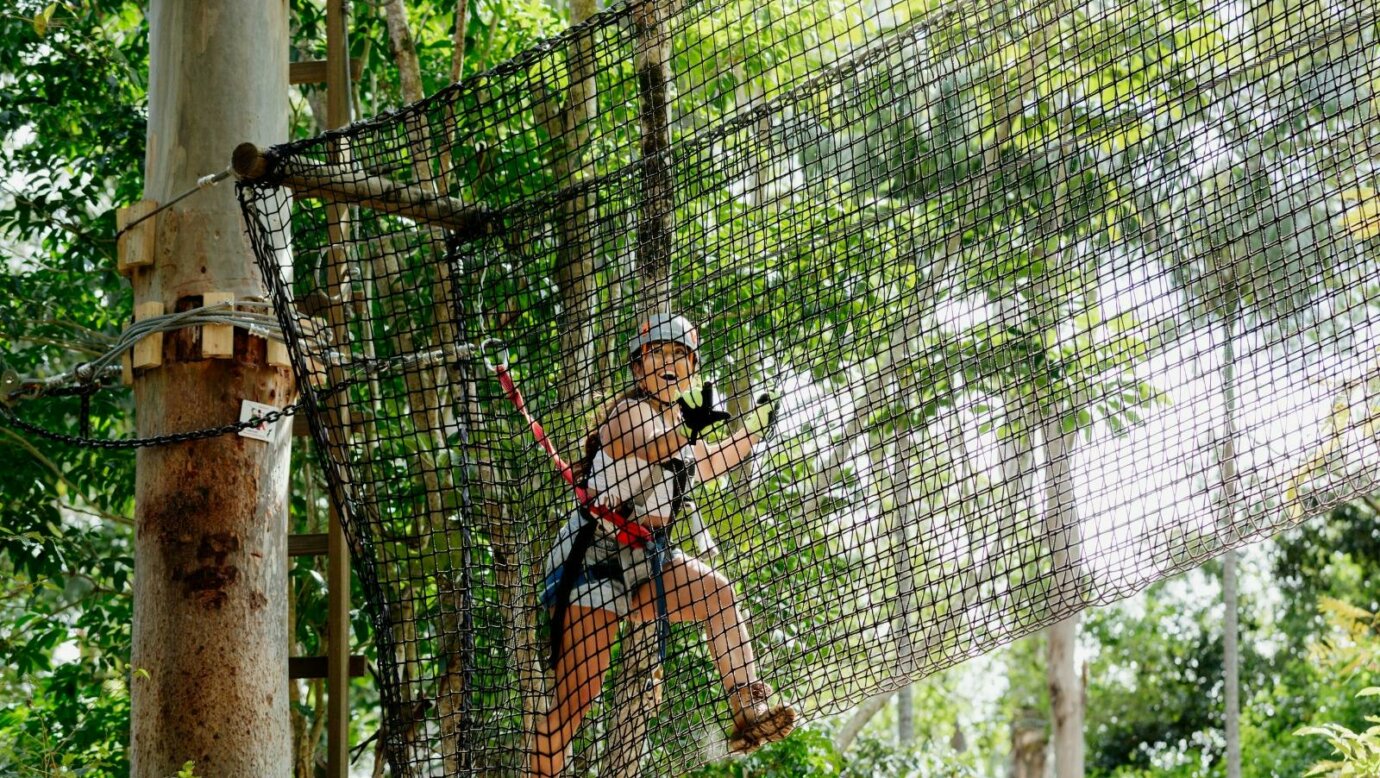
{"x":501,"y":354}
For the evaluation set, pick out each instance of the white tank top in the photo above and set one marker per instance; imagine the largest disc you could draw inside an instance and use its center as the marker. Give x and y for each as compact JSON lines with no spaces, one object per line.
{"x":648,"y":486}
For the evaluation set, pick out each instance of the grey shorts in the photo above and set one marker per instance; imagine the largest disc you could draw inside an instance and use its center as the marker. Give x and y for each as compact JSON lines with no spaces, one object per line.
{"x":612,"y":572}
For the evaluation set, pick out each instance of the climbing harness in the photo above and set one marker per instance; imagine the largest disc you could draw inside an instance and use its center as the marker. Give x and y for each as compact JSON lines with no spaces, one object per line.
{"x":655,"y":543}
{"x":629,"y":532}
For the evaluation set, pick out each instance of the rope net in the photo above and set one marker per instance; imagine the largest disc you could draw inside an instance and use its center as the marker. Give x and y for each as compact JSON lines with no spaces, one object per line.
{"x":1061,"y":298}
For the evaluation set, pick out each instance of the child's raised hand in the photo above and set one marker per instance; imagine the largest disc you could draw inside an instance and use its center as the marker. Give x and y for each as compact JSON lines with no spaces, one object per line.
{"x":761,"y":418}
{"x":697,"y":409}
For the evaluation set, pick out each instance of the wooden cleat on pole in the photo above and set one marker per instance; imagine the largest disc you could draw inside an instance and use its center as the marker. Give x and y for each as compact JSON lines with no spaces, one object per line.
{"x":313,"y":71}
{"x":278,"y":354}
{"x":319,"y":666}
{"x":217,"y":340}
{"x":148,"y":352}
{"x":135,"y":247}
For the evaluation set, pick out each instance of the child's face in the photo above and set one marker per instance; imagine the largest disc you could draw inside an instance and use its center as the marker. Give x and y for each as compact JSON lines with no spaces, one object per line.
{"x":666,"y":369}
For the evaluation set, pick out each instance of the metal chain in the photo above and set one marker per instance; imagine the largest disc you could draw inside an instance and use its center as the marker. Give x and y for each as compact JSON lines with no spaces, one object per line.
{"x":159,"y":440}
{"x":86,"y":389}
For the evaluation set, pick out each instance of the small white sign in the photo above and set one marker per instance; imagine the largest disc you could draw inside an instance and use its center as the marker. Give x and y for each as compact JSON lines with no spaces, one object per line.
{"x":250,"y":410}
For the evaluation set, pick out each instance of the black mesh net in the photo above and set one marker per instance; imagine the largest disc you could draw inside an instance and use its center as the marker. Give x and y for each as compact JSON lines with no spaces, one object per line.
{"x":1059,"y":299}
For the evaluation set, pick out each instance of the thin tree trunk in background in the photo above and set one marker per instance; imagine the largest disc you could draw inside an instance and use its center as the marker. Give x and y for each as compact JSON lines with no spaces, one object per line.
{"x":457,"y":54}
{"x":1028,"y":745}
{"x":456,"y":592}
{"x":638,"y":683}
{"x":1062,"y":530}
{"x":910,"y":520}
{"x":1061,"y":517}
{"x":421,"y":391}
{"x":655,"y":223}
{"x":1231,"y":666}
{"x":210,"y":642}
{"x":861,"y":715}
{"x":303,"y":749}
{"x":905,"y":717}
{"x":404,"y":51}
{"x":576,"y":238}
{"x":1231,"y":658}
{"x":1065,"y":697}
{"x":739,"y":389}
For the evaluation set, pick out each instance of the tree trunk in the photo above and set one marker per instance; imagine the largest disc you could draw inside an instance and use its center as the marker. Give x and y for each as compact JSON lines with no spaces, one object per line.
{"x":861,"y":715}
{"x":655,"y":222}
{"x":1061,"y":519}
{"x":1231,"y":666}
{"x":1063,"y":537}
{"x":576,"y":244}
{"x":1231,"y":660}
{"x":1062,"y":531}
{"x":457,"y":54}
{"x":637,"y":688}
{"x":1065,"y":697}
{"x":1028,"y":745}
{"x":210,"y":640}
{"x":424,"y":387}
{"x":897,"y":493}
{"x":905,"y":717}
{"x":404,"y":51}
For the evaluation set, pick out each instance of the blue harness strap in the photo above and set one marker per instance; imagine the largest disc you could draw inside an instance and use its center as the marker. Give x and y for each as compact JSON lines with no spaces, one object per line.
{"x":658,"y":550}
{"x":656,"y":554}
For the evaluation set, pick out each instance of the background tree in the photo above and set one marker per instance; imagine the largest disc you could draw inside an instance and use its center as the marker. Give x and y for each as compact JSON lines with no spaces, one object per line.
{"x":937,"y":151}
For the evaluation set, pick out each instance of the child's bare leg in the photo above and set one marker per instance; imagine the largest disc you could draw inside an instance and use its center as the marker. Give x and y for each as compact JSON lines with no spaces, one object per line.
{"x":587,"y":643}
{"x":695,"y":592}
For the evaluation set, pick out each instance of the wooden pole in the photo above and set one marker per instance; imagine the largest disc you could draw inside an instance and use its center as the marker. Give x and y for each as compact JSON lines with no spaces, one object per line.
{"x":656,"y":220}
{"x":350,"y":185}
{"x":210,"y":642}
{"x":338,"y":559}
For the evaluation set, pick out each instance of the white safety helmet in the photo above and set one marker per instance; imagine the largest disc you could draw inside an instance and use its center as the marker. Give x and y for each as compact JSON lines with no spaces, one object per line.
{"x":665,"y":328}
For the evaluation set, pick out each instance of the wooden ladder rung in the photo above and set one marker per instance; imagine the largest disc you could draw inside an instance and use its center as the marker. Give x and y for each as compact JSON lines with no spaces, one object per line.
{"x":308,"y":544}
{"x":313,"y":71}
{"x":316,"y":666}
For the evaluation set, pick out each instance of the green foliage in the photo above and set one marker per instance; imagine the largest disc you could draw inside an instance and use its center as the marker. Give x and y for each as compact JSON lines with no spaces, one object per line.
{"x":71,"y":146}
{"x":811,"y":752}
{"x":64,"y":723}
{"x":1358,"y":752}
{"x":907,"y":149}
{"x":1150,"y":707}
{"x":1351,"y":652}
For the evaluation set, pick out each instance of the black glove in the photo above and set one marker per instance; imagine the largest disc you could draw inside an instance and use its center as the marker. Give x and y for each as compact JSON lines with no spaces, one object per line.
{"x":697,"y":411}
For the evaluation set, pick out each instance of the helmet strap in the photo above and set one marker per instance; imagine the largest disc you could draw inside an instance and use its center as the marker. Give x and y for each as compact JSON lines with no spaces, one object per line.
{"x":642,"y":392}
{"x":646,"y":396}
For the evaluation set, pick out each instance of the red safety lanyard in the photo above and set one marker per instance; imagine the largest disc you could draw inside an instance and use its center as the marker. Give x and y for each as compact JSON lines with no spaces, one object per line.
{"x":630,"y":533}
